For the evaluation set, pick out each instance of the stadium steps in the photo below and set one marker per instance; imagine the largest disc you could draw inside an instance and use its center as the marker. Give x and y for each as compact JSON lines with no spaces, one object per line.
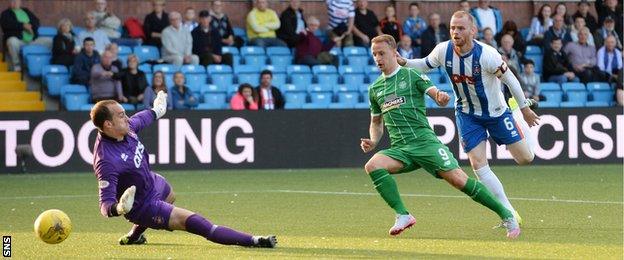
{"x":14,"y":90}
{"x":12,"y":86}
{"x":22,"y":106}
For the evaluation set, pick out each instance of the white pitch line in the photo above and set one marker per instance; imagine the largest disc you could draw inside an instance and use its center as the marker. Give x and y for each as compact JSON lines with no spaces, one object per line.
{"x":327,"y":193}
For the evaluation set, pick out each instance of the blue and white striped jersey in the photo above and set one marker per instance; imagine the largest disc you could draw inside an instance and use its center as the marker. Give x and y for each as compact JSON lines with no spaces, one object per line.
{"x":339,"y":11}
{"x":475,"y":77}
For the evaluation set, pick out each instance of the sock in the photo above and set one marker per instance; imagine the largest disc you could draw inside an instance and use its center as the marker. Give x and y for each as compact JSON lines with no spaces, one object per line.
{"x":387,"y":188}
{"x":198,"y":225}
{"x":479,"y":193}
{"x":489,"y":180}
{"x":136,"y":232}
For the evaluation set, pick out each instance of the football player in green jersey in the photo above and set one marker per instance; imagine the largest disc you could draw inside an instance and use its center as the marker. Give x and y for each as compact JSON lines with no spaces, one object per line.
{"x":398,"y":101}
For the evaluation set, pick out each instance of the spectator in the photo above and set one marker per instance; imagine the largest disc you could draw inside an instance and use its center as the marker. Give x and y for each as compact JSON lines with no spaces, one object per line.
{"x":487,"y":16}
{"x":562,"y":9}
{"x":366,"y":24}
{"x":619,"y":94}
{"x":103,"y":85}
{"x":189,"y":19}
{"x":579,"y":23}
{"x":99,"y":36}
{"x":19,"y":28}
{"x":221,"y":24}
{"x":583,"y":58}
{"x":583,"y":11}
{"x":488,"y":38}
{"x":207,"y":43}
{"x":609,"y":59}
{"x":63,"y":45}
{"x":464,"y":5}
{"x":181,"y":96}
{"x":133,"y":81}
{"x":435,"y":33}
{"x":84,"y":61}
{"x":530,"y":81}
{"x":405,"y":48}
{"x":557,"y":66}
{"x":158,"y":84}
{"x":270,"y":97}
{"x":506,"y":49}
{"x":539,"y":25}
{"x":557,"y":30}
{"x":414,"y":25}
{"x":292,"y":22}
{"x":341,"y":21}
{"x":390,"y":24}
{"x":113,"y":48}
{"x":245,"y":99}
{"x":262,"y":22}
{"x":106,"y":20}
{"x":177,"y":43}
{"x":310,"y":50}
{"x":607,"y":29}
{"x":611,"y":8}
{"x":511,"y":28}
{"x":155,"y":22}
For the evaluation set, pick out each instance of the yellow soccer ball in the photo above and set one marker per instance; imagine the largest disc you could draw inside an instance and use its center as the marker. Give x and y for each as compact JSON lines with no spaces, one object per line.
{"x":53,"y":226}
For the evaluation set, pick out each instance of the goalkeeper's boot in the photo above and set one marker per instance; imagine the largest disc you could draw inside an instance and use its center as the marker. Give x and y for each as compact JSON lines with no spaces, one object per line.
{"x":402,"y":223}
{"x":532,"y":103}
{"x":513,"y":229}
{"x":265,"y":241}
{"x":125,"y":240}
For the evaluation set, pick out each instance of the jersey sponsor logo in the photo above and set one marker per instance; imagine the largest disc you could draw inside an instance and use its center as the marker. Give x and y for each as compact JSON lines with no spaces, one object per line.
{"x":103,"y":184}
{"x":476,"y":70}
{"x":456,"y":78}
{"x":138,"y":154}
{"x":392,"y":102}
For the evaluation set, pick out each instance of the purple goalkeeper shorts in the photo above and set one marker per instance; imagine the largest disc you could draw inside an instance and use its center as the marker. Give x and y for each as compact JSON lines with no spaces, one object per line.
{"x":156,"y":212}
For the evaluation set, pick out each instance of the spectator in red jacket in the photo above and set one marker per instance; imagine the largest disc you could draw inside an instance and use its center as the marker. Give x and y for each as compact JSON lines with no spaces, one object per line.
{"x":310,"y":50}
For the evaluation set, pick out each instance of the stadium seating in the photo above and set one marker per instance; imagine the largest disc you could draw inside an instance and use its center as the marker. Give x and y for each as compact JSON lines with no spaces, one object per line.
{"x":598,"y":104}
{"x":347,"y":88}
{"x":221,"y":75}
{"x":294,"y":88}
{"x":348,"y":97}
{"x":146,"y":53}
{"x":352,"y":75}
{"x":275,"y":50}
{"x":320,"y":88}
{"x":553,"y":96}
{"x":533,"y":50}
{"x":229,"y":49}
{"x":299,"y":74}
{"x":321,"y":97}
{"x":341,"y":105}
{"x":74,"y":101}
{"x":572,"y":86}
{"x":46,"y":31}
{"x":538,"y":60}
{"x":298,"y":98}
{"x":315,"y":105}
{"x":55,"y":76}
{"x":35,"y":57}
{"x":547,"y":86}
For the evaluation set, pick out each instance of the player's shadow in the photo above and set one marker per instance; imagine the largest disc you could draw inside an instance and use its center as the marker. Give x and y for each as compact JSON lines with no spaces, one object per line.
{"x":362,"y":253}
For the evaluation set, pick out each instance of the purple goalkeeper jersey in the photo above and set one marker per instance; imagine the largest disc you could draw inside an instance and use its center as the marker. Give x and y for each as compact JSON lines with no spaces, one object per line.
{"x":121,"y":164}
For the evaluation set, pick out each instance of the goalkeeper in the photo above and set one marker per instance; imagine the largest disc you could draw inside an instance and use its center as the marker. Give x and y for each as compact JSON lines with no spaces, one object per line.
{"x":128,"y":187}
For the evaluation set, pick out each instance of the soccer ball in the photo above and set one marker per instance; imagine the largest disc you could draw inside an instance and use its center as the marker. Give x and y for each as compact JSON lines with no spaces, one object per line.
{"x":53,"y":226}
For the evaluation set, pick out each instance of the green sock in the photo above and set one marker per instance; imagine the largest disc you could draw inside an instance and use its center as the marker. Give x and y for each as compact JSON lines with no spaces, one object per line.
{"x":387,"y":188}
{"x":479,"y":193}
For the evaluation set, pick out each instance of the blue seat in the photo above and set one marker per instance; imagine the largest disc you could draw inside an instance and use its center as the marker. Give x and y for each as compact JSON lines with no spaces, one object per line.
{"x":35,"y":63}
{"x":124,"y":50}
{"x":146,"y":53}
{"x":314,"y":106}
{"x":301,"y":79}
{"x":548,"y":104}
{"x":74,"y":101}
{"x":348,"y":97}
{"x":363,"y":88}
{"x":598,"y":86}
{"x":222,"y":80}
{"x":146,"y":68}
{"x":603,"y":96}
{"x":354,"y":51}
{"x":572,"y":104}
{"x":230,"y":49}
{"x":571,"y":86}
{"x":219,"y":69}
{"x":47,"y":31}
{"x":255,"y":60}
{"x":372,"y":70}
{"x":193,"y":69}
{"x":195,"y":80}
{"x":212,"y":88}
{"x":546,"y":86}
{"x":247,"y":69}
{"x":341,"y":105}
{"x":533,"y":49}
{"x":524,"y":32}
{"x":347,"y":88}
{"x":289,"y":106}
{"x":319,"y":88}
{"x":49,"y":71}
{"x":73,"y":89}
{"x":554,"y":96}
{"x":346,"y":69}
{"x":232,"y":89}
{"x":166,"y":68}
{"x":252,"y":50}
{"x":324,"y":69}
{"x":327,"y":79}
{"x":294,"y":88}
{"x":295,"y":98}
{"x":358,"y":61}
{"x":250,"y":78}
{"x":128,"y":107}
{"x":55,"y":82}
{"x":276,"y":69}
{"x":321,"y":97}
{"x":211,"y":106}
{"x":238,"y":31}
{"x":279,"y":79}
{"x":281,"y":60}
{"x":86,"y":107}
{"x":598,"y":104}
{"x":276,"y":50}
{"x":34,"y":49}
{"x":78,"y":29}
{"x":294,"y":69}
{"x":336,"y":51}
{"x":353,"y":79}
{"x":218,"y":98}
{"x":577,"y":96}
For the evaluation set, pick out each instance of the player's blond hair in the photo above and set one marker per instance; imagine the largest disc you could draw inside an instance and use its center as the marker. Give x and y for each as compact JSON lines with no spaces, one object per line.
{"x":461,"y":13}
{"x":385,"y":38}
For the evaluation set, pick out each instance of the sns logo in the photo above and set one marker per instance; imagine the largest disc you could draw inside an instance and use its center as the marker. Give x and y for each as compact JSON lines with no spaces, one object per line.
{"x":6,"y":246}
{"x":462,"y":78}
{"x":138,"y":155}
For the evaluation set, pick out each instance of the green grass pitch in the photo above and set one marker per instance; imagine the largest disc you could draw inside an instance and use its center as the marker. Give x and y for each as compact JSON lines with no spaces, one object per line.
{"x":573,"y":211}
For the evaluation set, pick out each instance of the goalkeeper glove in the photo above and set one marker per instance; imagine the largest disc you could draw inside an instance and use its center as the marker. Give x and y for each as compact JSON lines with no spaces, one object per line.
{"x":160,"y":104}
{"x":125,"y":202}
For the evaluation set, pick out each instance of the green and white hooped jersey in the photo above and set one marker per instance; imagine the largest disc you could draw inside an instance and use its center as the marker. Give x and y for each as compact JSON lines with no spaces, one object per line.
{"x":400,"y":99}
